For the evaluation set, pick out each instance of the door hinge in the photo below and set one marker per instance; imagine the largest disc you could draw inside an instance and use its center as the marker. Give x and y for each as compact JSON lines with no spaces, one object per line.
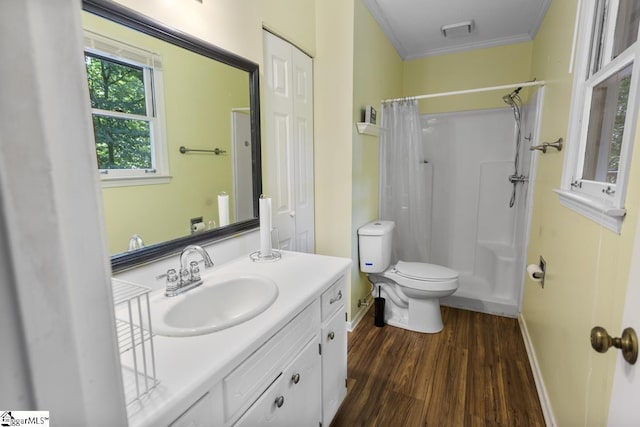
{"x":320,"y":349}
{"x":345,"y":316}
{"x":345,"y":383}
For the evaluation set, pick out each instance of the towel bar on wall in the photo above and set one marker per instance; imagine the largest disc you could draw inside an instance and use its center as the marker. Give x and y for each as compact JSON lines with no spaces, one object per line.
{"x":215,"y":151}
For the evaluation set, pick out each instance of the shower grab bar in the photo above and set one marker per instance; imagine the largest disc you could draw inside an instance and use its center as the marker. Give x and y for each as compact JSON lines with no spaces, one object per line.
{"x":556,"y":144}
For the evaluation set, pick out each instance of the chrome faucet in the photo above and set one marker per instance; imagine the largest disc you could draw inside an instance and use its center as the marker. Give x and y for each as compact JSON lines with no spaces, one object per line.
{"x":188,"y":276}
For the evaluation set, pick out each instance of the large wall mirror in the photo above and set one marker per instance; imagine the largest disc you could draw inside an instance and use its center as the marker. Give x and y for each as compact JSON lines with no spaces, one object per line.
{"x":177,"y":127}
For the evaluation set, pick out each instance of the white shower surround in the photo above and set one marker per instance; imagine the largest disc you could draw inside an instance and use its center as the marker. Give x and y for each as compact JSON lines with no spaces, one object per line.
{"x":473,"y":230}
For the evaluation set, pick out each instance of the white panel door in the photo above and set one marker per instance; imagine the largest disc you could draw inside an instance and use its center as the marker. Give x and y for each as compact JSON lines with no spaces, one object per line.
{"x":303,"y":164}
{"x":289,"y":142}
{"x":278,"y":166}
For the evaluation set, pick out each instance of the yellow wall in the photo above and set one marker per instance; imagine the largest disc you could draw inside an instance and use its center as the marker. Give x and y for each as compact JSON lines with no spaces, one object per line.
{"x":199,"y":95}
{"x":477,"y":68}
{"x":333,"y":100}
{"x":377,"y":74}
{"x":587,"y":265}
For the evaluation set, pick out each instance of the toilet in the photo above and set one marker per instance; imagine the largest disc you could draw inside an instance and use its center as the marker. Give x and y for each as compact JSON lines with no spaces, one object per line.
{"x":412,"y":289}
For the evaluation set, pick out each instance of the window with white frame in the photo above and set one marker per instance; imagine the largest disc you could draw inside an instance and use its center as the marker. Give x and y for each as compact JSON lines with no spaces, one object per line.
{"x":604,"y":110}
{"x":125,"y":89}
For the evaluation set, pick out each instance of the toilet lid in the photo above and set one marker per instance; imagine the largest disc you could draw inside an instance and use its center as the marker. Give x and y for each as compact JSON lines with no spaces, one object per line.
{"x":424,"y":271}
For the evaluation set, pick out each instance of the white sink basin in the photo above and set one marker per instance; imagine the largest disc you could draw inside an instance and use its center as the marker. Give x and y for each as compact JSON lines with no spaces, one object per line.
{"x":217,"y":304}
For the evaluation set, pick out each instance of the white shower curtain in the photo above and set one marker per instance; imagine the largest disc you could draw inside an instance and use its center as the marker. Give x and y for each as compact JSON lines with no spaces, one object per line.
{"x":403,"y":186}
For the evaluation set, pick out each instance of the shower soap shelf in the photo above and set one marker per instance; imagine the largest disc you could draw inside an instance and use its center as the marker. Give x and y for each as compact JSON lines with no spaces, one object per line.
{"x":135,"y":339}
{"x":368,"y":129}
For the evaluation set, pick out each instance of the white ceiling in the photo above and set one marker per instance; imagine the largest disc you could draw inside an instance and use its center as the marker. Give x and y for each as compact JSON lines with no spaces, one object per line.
{"x":413,"y":26}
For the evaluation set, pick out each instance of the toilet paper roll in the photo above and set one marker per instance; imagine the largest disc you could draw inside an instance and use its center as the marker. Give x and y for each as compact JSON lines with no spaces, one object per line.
{"x":535,"y":269}
{"x":223,"y":209}
{"x":198,"y":226}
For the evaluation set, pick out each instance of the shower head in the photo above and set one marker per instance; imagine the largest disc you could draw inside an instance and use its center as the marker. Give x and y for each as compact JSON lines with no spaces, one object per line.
{"x":509,"y":98}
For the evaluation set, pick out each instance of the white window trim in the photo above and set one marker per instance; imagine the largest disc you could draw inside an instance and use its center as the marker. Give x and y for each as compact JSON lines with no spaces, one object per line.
{"x":591,"y":199}
{"x":122,"y":52}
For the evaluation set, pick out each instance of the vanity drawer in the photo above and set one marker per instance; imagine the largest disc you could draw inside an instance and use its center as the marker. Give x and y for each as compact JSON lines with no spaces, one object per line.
{"x":246,"y":382}
{"x":333,"y":298}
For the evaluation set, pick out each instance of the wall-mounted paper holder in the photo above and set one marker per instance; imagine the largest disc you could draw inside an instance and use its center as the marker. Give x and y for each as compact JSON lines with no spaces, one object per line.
{"x":543,"y":266}
{"x":536,"y":272}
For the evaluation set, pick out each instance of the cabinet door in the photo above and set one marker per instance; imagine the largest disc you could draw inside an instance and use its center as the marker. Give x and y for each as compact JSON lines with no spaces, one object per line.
{"x":294,"y":397}
{"x":334,"y":365}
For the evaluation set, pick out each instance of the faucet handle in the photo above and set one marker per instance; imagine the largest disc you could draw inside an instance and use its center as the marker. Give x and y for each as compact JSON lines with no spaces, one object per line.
{"x":171,"y":275}
{"x":172,"y":281}
{"x":194,"y":271}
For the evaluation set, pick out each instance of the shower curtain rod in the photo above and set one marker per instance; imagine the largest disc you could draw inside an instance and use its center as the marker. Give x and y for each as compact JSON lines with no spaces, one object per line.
{"x":463,"y":92}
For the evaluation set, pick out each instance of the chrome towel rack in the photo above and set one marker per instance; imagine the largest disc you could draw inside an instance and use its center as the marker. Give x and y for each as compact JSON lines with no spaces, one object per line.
{"x":216,"y":151}
{"x":543,"y":147}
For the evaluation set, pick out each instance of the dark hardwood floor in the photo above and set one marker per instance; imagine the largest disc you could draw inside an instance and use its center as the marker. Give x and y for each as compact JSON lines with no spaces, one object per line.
{"x":473,"y":373}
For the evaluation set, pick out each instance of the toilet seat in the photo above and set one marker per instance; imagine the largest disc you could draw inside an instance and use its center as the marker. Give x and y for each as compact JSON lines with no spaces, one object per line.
{"x":423,"y":277}
{"x":424,"y":271}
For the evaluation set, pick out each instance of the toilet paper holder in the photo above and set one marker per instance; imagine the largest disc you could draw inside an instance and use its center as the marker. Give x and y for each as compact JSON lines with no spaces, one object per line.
{"x":543,"y":267}
{"x":536,"y":272}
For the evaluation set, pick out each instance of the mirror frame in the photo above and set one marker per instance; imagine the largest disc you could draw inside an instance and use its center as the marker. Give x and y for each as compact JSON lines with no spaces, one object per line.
{"x":131,"y":19}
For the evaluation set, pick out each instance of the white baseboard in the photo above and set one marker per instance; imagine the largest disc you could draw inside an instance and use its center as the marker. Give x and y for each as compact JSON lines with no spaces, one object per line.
{"x":547,"y":411}
{"x":359,"y":316}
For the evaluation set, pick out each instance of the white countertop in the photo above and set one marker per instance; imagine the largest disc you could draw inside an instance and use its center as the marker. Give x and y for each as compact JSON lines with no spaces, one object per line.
{"x":187,"y":367}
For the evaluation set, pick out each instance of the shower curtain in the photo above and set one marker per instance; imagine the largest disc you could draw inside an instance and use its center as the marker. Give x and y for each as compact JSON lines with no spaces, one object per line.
{"x":403,"y":195}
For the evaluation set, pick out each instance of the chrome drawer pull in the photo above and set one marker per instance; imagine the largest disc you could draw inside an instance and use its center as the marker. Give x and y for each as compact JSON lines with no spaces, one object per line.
{"x":295,"y":378}
{"x":336,"y":298}
{"x":331,"y":335}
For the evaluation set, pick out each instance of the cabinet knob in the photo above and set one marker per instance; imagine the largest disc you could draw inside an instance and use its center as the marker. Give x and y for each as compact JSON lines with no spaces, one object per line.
{"x":295,"y":378}
{"x":331,"y":335}
{"x":279,"y":401}
{"x":336,"y":298}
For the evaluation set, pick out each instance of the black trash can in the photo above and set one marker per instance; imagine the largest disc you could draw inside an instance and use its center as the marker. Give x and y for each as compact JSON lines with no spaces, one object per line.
{"x":378,"y":310}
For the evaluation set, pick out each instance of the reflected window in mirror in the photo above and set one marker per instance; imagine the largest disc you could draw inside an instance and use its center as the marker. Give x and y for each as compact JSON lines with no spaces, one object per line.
{"x":126,"y":94}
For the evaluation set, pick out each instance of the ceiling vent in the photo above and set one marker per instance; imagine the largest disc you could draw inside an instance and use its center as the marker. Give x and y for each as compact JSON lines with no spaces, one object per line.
{"x":460,"y":29}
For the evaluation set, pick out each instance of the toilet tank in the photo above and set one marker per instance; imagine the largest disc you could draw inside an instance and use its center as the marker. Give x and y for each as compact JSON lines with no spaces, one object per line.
{"x":374,"y":244}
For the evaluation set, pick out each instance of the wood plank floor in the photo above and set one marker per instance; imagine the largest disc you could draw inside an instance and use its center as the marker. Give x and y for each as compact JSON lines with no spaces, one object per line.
{"x":473,"y":373}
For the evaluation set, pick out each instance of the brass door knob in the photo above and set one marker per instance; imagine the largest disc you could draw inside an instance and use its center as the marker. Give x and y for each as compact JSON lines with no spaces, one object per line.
{"x":628,"y":342}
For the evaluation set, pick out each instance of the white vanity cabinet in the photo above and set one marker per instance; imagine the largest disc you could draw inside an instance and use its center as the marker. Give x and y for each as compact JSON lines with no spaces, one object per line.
{"x":334,"y":350}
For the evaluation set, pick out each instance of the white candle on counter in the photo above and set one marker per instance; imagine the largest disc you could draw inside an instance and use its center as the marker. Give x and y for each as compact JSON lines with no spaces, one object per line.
{"x":265,"y":227}
{"x":223,"y":209}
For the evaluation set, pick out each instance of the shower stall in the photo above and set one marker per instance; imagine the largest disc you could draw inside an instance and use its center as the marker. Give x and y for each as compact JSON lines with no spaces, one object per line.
{"x":479,"y":180}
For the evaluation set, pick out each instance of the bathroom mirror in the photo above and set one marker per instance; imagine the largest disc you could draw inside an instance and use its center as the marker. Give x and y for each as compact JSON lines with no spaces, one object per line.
{"x":207,"y":165}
